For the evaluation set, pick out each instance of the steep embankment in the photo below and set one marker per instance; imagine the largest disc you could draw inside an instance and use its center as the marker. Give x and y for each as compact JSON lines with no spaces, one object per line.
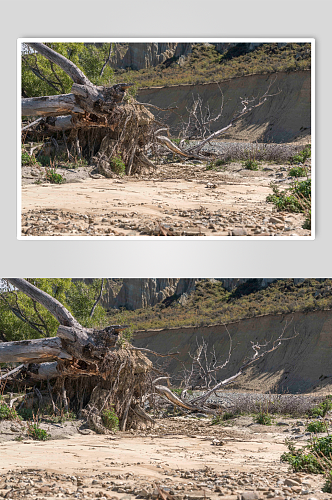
{"x":302,"y":364}
{"x":285,"y":117}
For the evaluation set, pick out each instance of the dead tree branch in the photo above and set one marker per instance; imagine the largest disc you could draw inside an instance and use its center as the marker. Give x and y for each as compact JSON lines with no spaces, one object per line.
{"x":98,"y":298}
{"x":200,"y":120}
{"x":208,"y":370}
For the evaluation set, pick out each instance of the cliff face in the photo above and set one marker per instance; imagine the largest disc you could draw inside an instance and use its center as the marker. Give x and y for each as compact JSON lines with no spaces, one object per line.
{"x":145,"y":55}
{"x":140,"y":293}
{"x":302,"y":364}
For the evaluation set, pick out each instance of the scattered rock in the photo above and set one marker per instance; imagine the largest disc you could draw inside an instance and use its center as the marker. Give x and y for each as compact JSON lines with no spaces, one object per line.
{"x":239,"y":231}
{"x":249,"y":495}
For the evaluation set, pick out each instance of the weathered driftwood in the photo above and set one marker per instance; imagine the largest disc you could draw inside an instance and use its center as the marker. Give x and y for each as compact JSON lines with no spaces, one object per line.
{"x":73,"y":341}
{"x":50,"y":105}
{"x":32,"y":351}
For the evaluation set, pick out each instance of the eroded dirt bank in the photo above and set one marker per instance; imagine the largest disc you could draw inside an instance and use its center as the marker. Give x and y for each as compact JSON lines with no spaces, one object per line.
{"x":185,"y":200}
{"x":302,"y":364}
{"x":187,"y":457}
{"x":284,"y":117}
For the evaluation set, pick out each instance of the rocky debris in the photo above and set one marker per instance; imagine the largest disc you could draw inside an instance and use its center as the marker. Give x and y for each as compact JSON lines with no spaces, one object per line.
{"x":177,"y":484}
{"x":37,"y":174}
{"x":198,"y":222}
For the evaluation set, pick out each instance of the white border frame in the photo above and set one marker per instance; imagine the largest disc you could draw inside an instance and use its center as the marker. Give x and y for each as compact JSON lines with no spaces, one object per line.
{"x":158,"y":238}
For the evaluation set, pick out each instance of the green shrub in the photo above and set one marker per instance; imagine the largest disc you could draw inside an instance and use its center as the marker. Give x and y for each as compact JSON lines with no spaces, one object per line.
{"x":263,"y":418}
{"x":117,"y":165}
{"x":297,"y":172}
{"x":26,"y":413}
{"x":327,"y":488}
{"x":26,"y":159}
{"x":250,"y":164}
{"x":317,"y":426}
{"x":44,"y":160}
{"x":220,"y":419}
{"x":322,"y":409}
{"x":53,"y":177}
{"x":7,"y":413}
{"x":300,"y":461}
{"x":37,"y":433}
{"x":110,"y":419}
{"x":295,"y":199}
{"x":312,"y":458}
{"x":302,"y":156}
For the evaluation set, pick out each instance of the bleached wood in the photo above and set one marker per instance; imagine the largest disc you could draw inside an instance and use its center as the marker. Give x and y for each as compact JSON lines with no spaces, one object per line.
{"x":32,"y":351}
{"x":52,"y":105}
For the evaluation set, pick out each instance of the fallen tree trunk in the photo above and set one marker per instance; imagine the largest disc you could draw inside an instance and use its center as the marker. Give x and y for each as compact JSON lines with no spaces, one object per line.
{"x":124,"y":122}
{"x":86,"y":363}
{"x":53,"y":105}
{"x":32,"y":351}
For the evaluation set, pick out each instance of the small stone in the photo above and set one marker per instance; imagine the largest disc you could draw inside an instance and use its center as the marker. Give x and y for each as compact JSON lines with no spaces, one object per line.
{"x":218,"y":442}
{"x":249,"y":495}
{"x":238,"y":231}
{"x":292,"y":482}
{"x":275,"y":220}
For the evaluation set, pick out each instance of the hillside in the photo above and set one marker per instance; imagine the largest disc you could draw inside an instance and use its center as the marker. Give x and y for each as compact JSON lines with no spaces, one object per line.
{"x":204,"y":62}
{"x":211,"y":303}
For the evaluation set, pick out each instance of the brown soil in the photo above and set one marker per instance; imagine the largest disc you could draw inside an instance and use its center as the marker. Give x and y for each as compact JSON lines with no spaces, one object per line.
{"x":183,"y":455}
{"x":185,"y":199}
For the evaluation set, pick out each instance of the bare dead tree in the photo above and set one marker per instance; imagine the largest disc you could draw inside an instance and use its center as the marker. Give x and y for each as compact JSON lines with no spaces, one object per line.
{"x":207,"y":369}
{"x":200,"y":121}
{"x":205,"y":365}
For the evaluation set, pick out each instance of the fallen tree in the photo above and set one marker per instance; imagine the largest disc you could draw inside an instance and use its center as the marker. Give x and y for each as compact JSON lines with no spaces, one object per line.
{"x":98,"y":119}
{"x":101,"y":123}
{"x":96,"y":369}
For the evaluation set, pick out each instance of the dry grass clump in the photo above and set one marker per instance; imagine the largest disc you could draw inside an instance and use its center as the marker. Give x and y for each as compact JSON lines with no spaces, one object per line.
{"x":268,"y":152}
{"x":295,"y":405}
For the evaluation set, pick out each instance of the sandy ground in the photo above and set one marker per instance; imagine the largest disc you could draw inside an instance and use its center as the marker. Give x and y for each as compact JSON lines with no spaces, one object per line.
{"x":176,"y":200}
{"x":187,"y":457}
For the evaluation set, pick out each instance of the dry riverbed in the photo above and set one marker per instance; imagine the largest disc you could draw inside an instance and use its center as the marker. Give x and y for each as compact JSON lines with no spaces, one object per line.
{"x":178,"y":199}
{"x":186,"y":457}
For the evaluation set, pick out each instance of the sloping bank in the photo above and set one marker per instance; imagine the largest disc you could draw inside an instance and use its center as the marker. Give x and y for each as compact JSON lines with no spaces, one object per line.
{"x":282,"y":118}
{"x":302,"y":364}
